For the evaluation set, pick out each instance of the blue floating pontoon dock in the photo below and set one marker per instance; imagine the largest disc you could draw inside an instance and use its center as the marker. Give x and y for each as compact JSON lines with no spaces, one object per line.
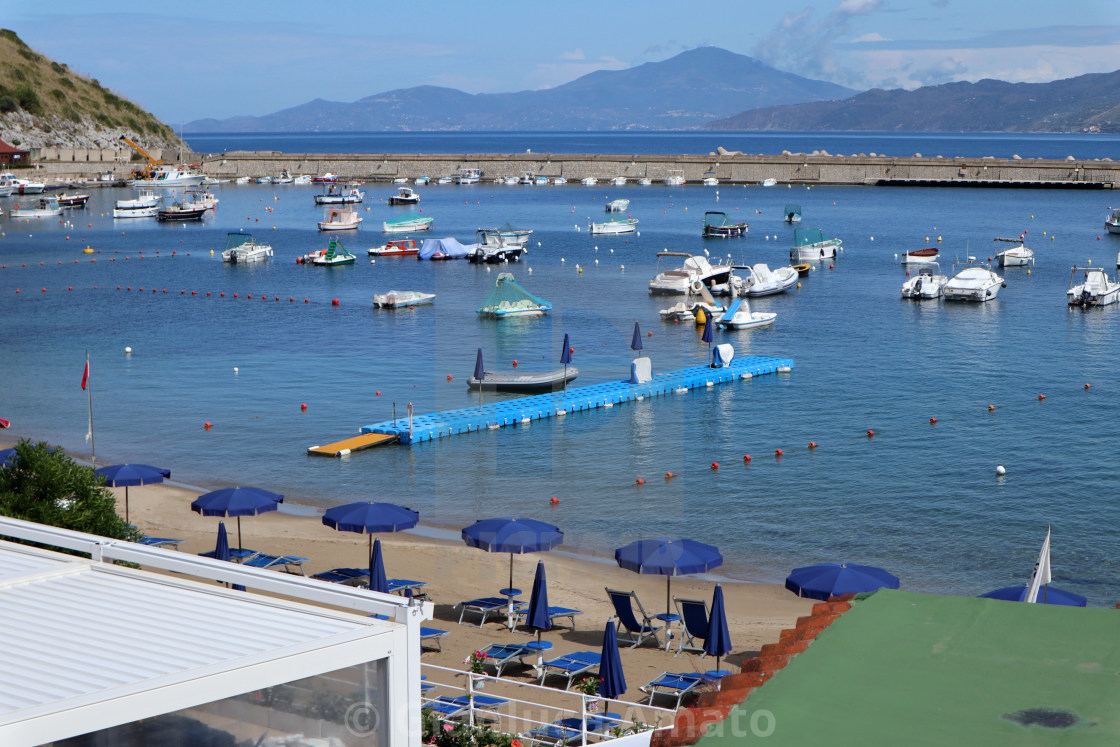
{"x":577,"y":399}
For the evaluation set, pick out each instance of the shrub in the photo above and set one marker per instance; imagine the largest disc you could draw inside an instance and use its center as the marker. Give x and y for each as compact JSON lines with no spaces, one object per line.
{"x":59,"y":68}
{"x":58,"y":93}
{"x":27,"y":54}
{"x":28,"y":99}
{"x":72,"y":114}
{"x":17,"y":72}
{"x":67,"y":83}
{"x":104,"y":119}
{"x":8,"y":104}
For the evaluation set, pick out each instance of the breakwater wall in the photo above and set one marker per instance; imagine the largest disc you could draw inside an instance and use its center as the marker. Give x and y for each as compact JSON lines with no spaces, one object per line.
{"x":732,"y":168}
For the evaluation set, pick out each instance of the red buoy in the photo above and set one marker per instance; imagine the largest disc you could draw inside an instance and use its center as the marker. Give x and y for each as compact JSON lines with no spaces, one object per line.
{"x":746,"y":457}
{"x":334,"y":302}
{"x":515,"y":364}
{"x":639,"y":481}
{"x":206,"y":425}
{"x":670,"y":475}
{"x":715,"y":465}
{"x":1040,"y":397}
{"x":932,"y":421}
{"x":378,"y":392}
{"x":870,"y":433}
{"x":553,"y":500}
{"x":777,"y":452}
{"x":812,"y":444}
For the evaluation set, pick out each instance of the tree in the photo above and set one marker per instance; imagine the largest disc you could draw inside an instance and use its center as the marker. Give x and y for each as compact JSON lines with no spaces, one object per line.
{"x":46,"y":486}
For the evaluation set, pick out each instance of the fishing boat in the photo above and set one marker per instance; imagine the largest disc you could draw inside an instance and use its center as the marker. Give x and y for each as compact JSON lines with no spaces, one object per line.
{"x":341,"y":195}
{"x":76,"y":200}
{"x":284,"y":178}
{"x":334,"y":254}
{"x":717,"y":224}
{"x":180,"y":212}
{"x":405,"y":196}
{"x":395,"y":299}
{"x":395,"y":248}
{"x":1112,"y":222}
{"x":48,"y":207}
{"x":920,"y":256}
{"x":740,"y":316}
{"x":144,"y":205}
{"x":927,"y":283}
{"x":527,"y":177}
{"x":675,"y":179}
{"x":507,"y":298}
{"x":1095,"y":289}
{"x":407,"y":223}
{"x":760,"y":280}
{"x":693,"y":274}
{"x":614,"y":225}
{"x":792,"y":213}
{"x":340,"y":219}
{"x":1017,"y":255}
{"x":169,"y":175}
{"x":545,"y":381}
{"x":809,"y":244}
{"x":618,"y":206}
{"x":444,"y":180}
{"x":327,"y":178}
{"x":242,"y":248}
{"x":468,"y":176}
{"x":200,"y":198}
{"x":974,"y":283}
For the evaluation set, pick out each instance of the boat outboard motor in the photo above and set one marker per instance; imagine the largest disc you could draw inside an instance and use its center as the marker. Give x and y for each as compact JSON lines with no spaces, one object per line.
{"x":1086,"y":296}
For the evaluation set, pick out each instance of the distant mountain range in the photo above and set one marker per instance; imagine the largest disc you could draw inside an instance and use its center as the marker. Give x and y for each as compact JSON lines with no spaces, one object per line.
{"x":684,"y":92}
{"x":1085,"y":103}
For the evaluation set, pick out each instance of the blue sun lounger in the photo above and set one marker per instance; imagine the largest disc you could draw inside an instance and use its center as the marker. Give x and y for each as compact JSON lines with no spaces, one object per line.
{"x":454,"y":707}
{"x":432,"y":636}
{"x":571,"y":666}
{"x":286,"y":563}
{"x":597,"y":723}
{"x":570,"y":730}
{"x":671,"y":683}
{"x":499,"y":655}
{"x":161,"y":542}
{"x":554,"y":614}
{"x":484,"y":606}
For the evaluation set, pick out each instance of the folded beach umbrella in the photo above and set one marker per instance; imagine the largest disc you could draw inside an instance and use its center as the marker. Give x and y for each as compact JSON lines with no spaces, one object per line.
{"x":566,"y":358}
{"x":239,"y":501}
{"x":1052,"y":595}
{"x":826,"y":580}
{"x":377,"y":580}
{"x":513,"y":535}
{"x":636,"y":340}
{"x":118,"y":475}
{"x":668,"y":557}
{"x":612,"y":682}
{"x":221,"y":550}
{"x":537,"y":615}
{"x":370,"y":517}
{"x":479,"y":369}
{"x":718,"y":642}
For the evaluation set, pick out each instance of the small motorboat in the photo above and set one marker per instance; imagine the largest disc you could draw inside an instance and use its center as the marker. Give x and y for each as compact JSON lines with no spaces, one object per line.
{"x":75,"y":200}
{"x":645,"y":181}
{"x":1016,"y":256}
{"x":589,"y":181}
{"x":468,"y":176}
{"x":395,"y":299}
{"x":242,"y":248}
{"x":327,"y":178}
{"x":407,"y":223}
{"x":771,"y":182}
{"x":809,"y":245}
{"x":762,"y":281}
{"x":195,"y":198}
{"x":181,"y":212}
{"x":302,"y":179}
{"x":559,"y":180}
{"x":444,"y":180}
{"x":618,"y":206}
{"x":693,"y":275}
{"x":494,"y":247}
{"x":740,"y":316}
{"x":395,"y":248}
{"x":928,"y":283}
{"x":527,"y":177}
{"x":421,"y":181}
{"x":792,"y":213}
{"x":507,"y":298}
{"x":405,"y":196}
{"x":710,"y":181}
{"x":1096,"y":289}
{"x":618,"y":181}
{"x":973,"y":283}
{"x":400,"y":180}
{"x":717,"y":224}
{"x":340,"y":219}
{"x":351,"y":194}
{"x":803,"y":269}
{"x":546,"y":381}
{"x":920,"y":256}
{"x":1112,"y":222}
{"x":540,"y":181}
{"x":48,"y":208}
{"x":686,"y":311}
{"x":614,"y":226}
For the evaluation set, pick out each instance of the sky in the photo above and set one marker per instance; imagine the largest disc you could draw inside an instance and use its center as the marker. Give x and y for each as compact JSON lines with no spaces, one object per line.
{"x":205,"y":58}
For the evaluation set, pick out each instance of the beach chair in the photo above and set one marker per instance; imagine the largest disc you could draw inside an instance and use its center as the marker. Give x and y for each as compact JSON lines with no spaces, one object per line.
{"x":553,"y":734}
{"x":406,"y":587}
{"x":672,"y":684}
{"x":499,"y":655}
{"x":161,"y":542}
{"x":345,"y":576}
{"x":236,"y":554}
{"x":635,"y":632}
{"x":694,"y":624}
{"x":286,"y":563}
{"x":597,"y":723}
{"x":484,"y":606}
{"x":554,"y":614}
{"x":432,"y":636}
{"x":571,"y":666}
{"x":482,"y":704}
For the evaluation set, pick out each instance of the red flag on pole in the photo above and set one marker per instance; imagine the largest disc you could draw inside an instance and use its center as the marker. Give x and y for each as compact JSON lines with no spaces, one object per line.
{"x":85,"y":375}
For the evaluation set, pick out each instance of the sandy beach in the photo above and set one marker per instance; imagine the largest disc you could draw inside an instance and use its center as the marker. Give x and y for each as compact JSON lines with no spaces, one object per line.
{"x":455,"y":572}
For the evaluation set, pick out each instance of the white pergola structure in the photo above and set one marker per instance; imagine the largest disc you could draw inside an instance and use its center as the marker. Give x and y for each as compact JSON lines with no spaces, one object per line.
{"x":90,"y":645}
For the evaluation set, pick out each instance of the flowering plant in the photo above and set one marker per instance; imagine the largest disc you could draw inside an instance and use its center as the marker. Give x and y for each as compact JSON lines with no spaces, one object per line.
{"x":476,"y":661}
{"x":588,"y":686}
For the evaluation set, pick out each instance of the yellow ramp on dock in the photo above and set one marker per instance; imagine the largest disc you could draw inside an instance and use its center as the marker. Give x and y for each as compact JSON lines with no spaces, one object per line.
{"x":357,"y":443}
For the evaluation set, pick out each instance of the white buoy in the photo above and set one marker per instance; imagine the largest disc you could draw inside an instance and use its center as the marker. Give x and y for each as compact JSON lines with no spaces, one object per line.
{"x":372,"y":261}
{"x":561,"y":260}
{"x":622,"y":267}
{"x":235,"y":369}
{"x":530,"y":270}
{"x":872,"y":238}
{"x":596,"y":261}
{"x":1001,"y":471}
{"x":128,"y":350}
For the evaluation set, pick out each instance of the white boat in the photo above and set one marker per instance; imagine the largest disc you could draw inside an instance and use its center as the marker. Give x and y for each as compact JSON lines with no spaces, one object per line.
{"x":507,"y":298}
{"x":710,"y":181}
{"x":740,"y":316}
{"x":920,"y":256}
{"x":1096,"y":289}
{"x":242,"y":248}
{"x":170,"y":175}
{"x":200,"y":198}
{"x":769,"y":182}
{"x":144,"y":205}
{"x":7,"y":185}
{"x":760,"y":280}
{"x":618,"y":181}
{"x":504,"y":235}
{"x":444,"y":180}
{"x":1112,"y":222}
{"x":408,"y":223}
{"x":1016,"y":256}
{"x":326,"y":178}
{"x":395,"y":248}
{"x":614,"y":225}
{"x":674,"y":180}
{"x":695,"y":274}
{"x":809,"y":244}
{"x":792,"y":213}
{"x":284,"y":178}
{"x":559,"y":180}
{"x":645,"y":181}
{"x":686,"y":311}
{"x":927,"y":283}
{"x":973,"y":283}
{"x":405,"y":196}
{"x":541,"y":181}
{"x":421,"y":181}
{"x":21,"y":186}
{"x":589,"y":181}
{"x":400,"y":180}
{"x":334,"y":254}
{"x":350,"y":194}
{"x":618,"y":206}
{"x":149,"y":211}
{"x":340,"y":219}
{"x":264,"y":180}
{"x":509,"y":180}
{"x":395,"y":299}
{"x":468,"y":176}
{"x":302,"y":179}
{"x":526,"y":178}
{"x":48,"y":208}
{"x":241,"y":180}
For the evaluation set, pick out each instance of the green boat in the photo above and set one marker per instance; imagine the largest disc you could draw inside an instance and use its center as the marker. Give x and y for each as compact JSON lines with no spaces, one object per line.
{"x":407,"y":223}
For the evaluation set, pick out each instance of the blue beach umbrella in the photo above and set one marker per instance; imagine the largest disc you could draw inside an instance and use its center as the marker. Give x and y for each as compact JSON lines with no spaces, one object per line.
{"x":377,"y":580}
{"x":718,"y":642}
{"x":1053,"y":595}
{"x":239,"y":501}
{"x":370,"y":517}
{"x":513,"y":535}
{"x":221,"y":550}
{"x":7,"y":457}
{"x":826,"y":580}
{"x":707,"y":336}
{"x":636,"y":340}
{"x":612,"y":682}
{"x":566,"y":358}
{"x":537,"y":615}
{"x":479,"y":371}
{"x":668,"y":557}
{"x":124,"y":475}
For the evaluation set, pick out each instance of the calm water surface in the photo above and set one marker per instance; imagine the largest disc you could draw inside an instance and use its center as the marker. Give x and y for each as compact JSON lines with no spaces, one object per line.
{"x":920,"y":499}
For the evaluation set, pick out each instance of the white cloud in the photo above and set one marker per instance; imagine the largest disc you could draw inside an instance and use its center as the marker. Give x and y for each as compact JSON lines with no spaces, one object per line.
{"x":874,"y":36}
{"x":575,"y":54}
{"x":550,"y":74}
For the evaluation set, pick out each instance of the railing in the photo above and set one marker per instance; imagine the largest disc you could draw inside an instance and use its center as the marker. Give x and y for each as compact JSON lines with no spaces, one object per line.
{"x":535,"y":707}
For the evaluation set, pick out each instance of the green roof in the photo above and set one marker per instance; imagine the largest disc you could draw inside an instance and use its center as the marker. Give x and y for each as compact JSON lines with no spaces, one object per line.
{"x":919,"y":669}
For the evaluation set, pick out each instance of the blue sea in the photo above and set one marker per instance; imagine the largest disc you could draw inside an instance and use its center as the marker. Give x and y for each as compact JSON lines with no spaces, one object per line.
{"x":920,"y":499}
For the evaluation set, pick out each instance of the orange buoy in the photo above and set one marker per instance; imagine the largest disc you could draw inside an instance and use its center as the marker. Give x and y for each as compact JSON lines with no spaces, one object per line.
{"x":378,"y":392}
{"x":991,"y":407}
{"x":715,"y":465}
{"x":1086,"y":386}
{"x":639,"y":481}
{"x":303,"y":405}
{"x":746,"y":457}
{"x":812,"y":444}
{"x":870,"y":433}
{"x":670,"y":475}
{"x":1041,"y":397}
{"x":932,"y":421}
{"x":777,"y":452}
{"x":553,"y":500}
{"x":206,"y":425}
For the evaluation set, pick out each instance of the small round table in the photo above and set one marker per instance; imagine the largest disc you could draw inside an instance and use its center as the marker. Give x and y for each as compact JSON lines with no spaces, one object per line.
{"x":540,"y":647}
{"x":668,"y":619}
{"x":509,"y":594}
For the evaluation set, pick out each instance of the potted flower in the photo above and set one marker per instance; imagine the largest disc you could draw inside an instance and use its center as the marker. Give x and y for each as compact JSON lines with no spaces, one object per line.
{"x":477,"y":663}
{"x":589,"y":686}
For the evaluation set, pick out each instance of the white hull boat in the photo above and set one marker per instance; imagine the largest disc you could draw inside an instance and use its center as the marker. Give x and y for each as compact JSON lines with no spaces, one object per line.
{"x":242,"y":248}
{"x":810,"y":245}
{"x":974,"y":283}
{"x":48,"y":208}
{"x":928,"y":283}
{"x":618,"y":181}
{"x":740,"y":316}
{"x":589,"y":181}
{"x":920,"y":256}
{"x":405,"y":196}
{"x":762,"y":281}
{"x":395,"y":299}
{"x":614,"y":226}
{"x":340,"y":219}
{"x":336,"y":195}
{"x":1096,"y":289}
{"x":558,"y":181}
{"x":769,"y":182}
{"x":21,"y":186}
{"x":469,"y":176}
{"x":674,"y":181}
{"x":170,"y":176}
{"x":618,"y":206}
{"x":645,"y":181}
{"x":685,"y":311}
{"x":144,"y":205}
{"x":1112,"y":222}
{"x":710,"y":181}
{"x":1016,"y":256}
{"x":694,"y":276}
{"x":136,"y":212}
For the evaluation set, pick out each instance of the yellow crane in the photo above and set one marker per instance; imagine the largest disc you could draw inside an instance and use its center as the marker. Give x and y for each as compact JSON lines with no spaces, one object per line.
{"x":152,"y":162}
